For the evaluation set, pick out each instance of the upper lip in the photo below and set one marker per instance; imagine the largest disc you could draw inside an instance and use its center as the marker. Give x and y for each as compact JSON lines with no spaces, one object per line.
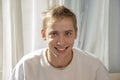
{"x":61,"y":49}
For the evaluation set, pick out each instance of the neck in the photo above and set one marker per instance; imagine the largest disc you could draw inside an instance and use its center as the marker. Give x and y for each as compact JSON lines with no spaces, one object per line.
{"x":59,"y":62}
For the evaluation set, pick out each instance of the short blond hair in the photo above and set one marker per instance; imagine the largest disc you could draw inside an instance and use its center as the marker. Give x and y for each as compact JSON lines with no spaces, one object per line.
{"x":59,"y":12}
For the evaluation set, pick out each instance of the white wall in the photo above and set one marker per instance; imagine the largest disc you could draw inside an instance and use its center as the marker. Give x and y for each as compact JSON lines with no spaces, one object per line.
{"x":114,"y":37}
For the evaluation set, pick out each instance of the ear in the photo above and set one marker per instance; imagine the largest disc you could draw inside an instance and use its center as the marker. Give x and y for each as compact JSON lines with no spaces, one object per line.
{"x":43,"y":34}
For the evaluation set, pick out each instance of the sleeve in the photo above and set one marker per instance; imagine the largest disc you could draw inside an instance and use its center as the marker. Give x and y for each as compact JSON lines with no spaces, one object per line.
{"x":102,"y":73}
{"x":18,"y":72}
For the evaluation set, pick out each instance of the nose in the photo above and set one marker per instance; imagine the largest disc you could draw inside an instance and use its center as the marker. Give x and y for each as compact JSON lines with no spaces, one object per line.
{"x":61,"y":41}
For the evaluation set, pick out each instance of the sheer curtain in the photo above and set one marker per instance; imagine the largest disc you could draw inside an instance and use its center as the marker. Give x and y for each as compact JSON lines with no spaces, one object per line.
{"x":19,"y":31}
{"x":12,"y":35}
{"x":94,"y":35}
{"x":32,"y":17}
{"x":1,"y":40}
{"x":93,"y":26}
{"x":21,"y":23}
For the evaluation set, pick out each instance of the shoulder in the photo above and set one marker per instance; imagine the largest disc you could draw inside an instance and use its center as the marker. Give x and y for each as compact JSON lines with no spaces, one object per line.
{"x":82,"y":53}
{"x":91,"y":63}
{"x":34,"y":54}
{"x":88,"y":59}
{"x":31,"y":57}
{"x":86,"y":56}
{"x":26,"y":63}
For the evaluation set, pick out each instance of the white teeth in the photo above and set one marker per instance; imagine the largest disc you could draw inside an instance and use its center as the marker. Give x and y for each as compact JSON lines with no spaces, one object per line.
{"x":61,"y":49}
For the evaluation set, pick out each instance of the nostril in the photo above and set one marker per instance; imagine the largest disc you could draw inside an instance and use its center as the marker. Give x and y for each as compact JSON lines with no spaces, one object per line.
{"x":61,"y":40}
{"x":60,"y":43}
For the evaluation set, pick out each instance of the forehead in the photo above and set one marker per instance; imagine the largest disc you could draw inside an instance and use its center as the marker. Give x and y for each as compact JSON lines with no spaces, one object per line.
{"x":60,"y":23}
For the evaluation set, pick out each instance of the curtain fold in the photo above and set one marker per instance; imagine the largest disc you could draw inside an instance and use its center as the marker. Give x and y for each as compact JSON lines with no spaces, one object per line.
{"x":12,"y":35}
{"x":52,"y":3}
{"x":32,"y":11}
{"x":1,"y":40}
{"x":93,"y":25}
{"x":94,"y":36}
{"x":21,"y":22}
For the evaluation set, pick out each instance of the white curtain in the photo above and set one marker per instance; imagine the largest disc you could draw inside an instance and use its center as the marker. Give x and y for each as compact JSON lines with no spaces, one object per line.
{"x":1,"y":40}
{"x":12,"y":35}
{"x":32,"y":17}
{"x":93,"y":26}
{"x":94,"y":35}
{"x":52,"y":3}
{"x":21,"y":23}
{"x":19,"y":31}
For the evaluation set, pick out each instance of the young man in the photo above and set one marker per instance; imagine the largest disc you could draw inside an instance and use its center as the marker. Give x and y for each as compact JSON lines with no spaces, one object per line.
{"x":59,"y":61}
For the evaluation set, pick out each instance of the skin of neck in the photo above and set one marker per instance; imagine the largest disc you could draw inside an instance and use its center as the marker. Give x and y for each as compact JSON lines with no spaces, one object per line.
{"x":59,"y":62}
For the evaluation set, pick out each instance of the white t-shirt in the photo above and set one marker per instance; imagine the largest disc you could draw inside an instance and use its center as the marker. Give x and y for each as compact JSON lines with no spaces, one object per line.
{"x":84,"y":66}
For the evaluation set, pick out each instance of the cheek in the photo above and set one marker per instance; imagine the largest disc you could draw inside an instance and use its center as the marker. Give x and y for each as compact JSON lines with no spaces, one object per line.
{"x":71,"y":40}
{"x":51,"y":41}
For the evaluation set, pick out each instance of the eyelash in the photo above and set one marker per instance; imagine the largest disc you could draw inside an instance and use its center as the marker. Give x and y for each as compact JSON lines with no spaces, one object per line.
{"x":68,"y":33}
{"x":54,"y":34}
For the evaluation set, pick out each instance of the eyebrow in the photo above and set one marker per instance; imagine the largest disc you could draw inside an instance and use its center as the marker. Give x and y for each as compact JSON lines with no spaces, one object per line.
{"x":69,"y":31}
{"x":58,"y":31}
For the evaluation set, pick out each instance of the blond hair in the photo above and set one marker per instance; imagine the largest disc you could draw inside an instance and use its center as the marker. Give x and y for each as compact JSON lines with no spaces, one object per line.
{"x":59,"y":12}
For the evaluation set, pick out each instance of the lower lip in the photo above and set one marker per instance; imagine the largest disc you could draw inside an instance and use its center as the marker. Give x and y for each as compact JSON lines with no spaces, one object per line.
{"x":61,"y":51}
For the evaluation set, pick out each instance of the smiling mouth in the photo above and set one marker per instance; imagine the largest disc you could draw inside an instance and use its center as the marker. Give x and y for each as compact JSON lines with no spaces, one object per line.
{"x":61,"y":50}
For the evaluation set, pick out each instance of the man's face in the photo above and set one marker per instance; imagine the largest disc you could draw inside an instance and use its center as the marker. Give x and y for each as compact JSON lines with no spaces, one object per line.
{"x":60,"y":35}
